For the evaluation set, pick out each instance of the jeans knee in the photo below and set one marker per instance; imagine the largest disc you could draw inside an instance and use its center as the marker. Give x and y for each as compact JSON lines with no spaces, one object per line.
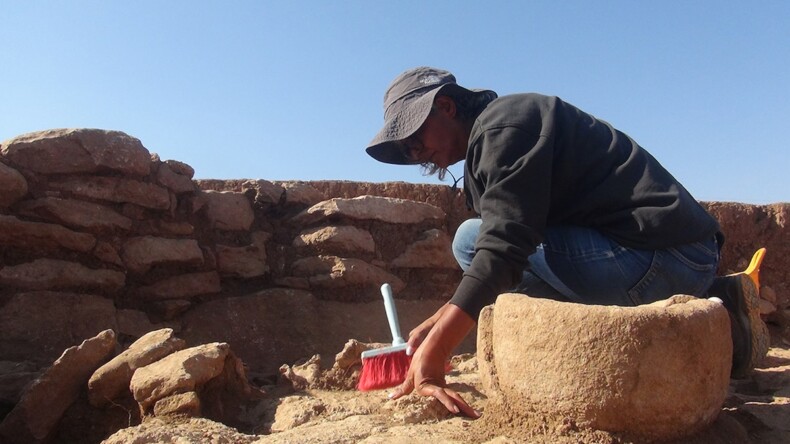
{"x":464,"y":242}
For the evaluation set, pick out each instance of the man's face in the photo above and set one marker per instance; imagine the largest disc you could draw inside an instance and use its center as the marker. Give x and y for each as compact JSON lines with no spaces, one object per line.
{"x":441,"y":139}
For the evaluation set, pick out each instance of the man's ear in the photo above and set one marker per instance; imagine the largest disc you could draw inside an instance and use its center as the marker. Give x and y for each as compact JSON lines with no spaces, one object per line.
{"x":446,"y":105}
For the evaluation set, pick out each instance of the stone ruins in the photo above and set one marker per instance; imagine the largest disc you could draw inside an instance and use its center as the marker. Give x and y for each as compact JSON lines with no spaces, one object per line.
{"x":142,"y":273}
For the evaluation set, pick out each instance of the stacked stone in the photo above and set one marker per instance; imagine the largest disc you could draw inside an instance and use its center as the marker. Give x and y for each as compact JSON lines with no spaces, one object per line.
{"x":335,"y":251}
{"x":97,"y":232}
{"x":161,"y":375}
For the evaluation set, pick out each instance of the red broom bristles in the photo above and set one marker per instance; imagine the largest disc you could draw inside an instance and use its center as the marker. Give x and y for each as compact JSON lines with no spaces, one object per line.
{"x":384,"y":370}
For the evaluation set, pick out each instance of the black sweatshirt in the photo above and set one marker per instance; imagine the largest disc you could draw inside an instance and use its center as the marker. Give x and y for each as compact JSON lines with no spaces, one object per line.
{"x":535,"y":161}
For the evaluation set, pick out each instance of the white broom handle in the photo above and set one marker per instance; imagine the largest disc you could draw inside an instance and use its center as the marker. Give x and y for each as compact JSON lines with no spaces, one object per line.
{"x":392,"y":314}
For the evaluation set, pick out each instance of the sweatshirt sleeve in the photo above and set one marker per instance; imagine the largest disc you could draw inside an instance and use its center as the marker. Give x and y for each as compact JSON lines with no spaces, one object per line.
{"x":513,"y":167}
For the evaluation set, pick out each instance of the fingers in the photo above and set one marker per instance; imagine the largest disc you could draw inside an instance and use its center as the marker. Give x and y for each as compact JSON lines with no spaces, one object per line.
{"x":450,"y":399}
{"x":465,"y":408}
{"x":412,"y":345}
{"x":403,"y":389}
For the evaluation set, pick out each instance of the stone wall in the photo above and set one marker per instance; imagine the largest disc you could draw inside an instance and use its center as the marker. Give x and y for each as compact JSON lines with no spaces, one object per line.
{"x":97,"y":233}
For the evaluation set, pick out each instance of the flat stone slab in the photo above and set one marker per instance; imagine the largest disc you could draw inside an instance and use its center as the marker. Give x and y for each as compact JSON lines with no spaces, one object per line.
{"x":329,"y":272}
{"x":19,"y":233}
{"x":116,"y":189}
{"x":384,"y":209}
{"x":141,"y":253}
{"x":55,"y":274}
{"x":69,"y":151}
{"x":343,"y":238}
{"x":76,"y":213}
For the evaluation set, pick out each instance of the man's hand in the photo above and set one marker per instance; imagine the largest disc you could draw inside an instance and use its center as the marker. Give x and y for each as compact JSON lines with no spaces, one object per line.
{"x":426,"y":373}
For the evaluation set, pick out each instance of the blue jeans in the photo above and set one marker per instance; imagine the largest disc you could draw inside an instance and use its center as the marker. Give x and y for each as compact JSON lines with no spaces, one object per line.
{"x":582,"y":265}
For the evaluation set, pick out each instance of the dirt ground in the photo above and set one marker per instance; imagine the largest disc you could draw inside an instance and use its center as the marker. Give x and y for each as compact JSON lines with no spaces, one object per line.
{"x":328,"y":410}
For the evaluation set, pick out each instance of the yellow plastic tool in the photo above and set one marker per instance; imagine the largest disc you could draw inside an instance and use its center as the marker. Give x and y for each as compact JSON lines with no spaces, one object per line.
{"x":753,"y":270}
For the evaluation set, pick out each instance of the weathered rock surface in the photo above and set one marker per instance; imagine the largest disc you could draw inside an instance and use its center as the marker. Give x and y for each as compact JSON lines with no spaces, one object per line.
{"x":191,"y":431}
{"x":336,"y":272}
{"x":180,"y":372}
{"x":141,"y":253}
{"x":184,"y":404}
{"x":117,"y":195}
{"x":33,"y":420}
{"x":53,"y":274}
{"x":228,"y":211}
{"x":658,"y":371}
{"x":245,"y":262}
{"x":76,"y":214}
{"x":384,"y":209}
{"x":38,"y":325}
{"x":63,"y":151}
{"x":115,"y":189}
{"x":36,"y":235}
{"x":254,"y":325}
{"x":112,"y":379}
{"x":13,"y":184}
{"x":174,"y":181}
{"x":183,"y":286}
{"x":14,"y":377}
{"x":265,"y":192}
{"x":432,"y":250}
{"x":299,"y":192}
{"x":343,"y":239}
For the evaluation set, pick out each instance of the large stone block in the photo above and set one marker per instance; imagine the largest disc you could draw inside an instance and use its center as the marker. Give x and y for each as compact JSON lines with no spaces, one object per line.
{"x":655,"y":372}
{"x":244,"y":262}
{"x":384,"y":209}
{"x":432,"y":250}
{"x":19,"y":233}
{"x":332,"y":272}
{"x":182,"y":286}
{"x":177,"y":183}
{"x":76,"y":213}
{"x":69,"y":151}
{"x":55,"y":274}
{"x":337,"y":239}
{"x":141,"y":253}
{"x":116,"y":189}
{"x":228,"y":210}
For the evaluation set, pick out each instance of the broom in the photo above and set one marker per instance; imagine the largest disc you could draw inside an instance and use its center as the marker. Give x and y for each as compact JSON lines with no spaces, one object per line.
{"x":386,"y":367}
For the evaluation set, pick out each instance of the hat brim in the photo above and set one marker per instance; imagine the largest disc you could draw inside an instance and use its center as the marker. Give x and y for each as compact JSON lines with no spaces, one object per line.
{"x":387,"y":147}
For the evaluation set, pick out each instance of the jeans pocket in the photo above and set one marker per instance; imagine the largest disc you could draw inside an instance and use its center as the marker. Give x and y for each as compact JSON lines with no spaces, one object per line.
{"x":688,"y":269}
{"x":696,"y":256}
{"x":642,"y":287}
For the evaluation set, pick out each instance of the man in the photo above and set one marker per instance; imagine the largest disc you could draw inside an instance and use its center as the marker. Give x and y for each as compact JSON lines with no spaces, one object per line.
{"x":570,"y":208}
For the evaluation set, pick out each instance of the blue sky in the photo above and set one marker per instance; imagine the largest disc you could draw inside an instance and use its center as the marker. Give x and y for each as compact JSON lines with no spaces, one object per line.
{"x":293,"y":89}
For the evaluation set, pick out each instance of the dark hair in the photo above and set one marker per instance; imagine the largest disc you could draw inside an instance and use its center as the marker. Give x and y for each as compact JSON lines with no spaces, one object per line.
{"x":468,"y":107}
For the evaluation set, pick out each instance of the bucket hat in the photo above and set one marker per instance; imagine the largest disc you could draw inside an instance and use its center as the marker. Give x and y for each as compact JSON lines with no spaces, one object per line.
{"x":407,"y":103}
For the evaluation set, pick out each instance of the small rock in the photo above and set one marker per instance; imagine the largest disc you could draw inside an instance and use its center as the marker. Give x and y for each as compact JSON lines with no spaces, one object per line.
{"x":186,"y":404}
